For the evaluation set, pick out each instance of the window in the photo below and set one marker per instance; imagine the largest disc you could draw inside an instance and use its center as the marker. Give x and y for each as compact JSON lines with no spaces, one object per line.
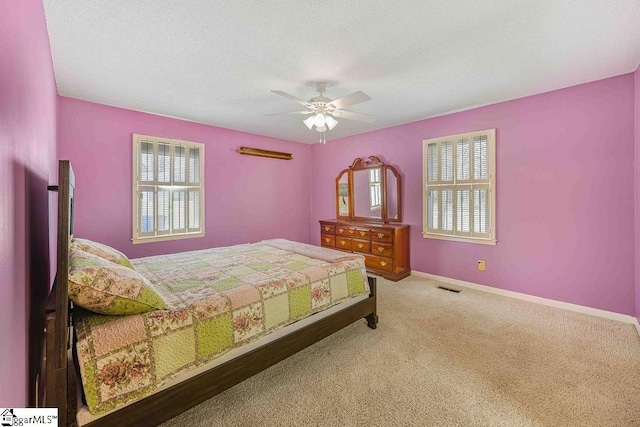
{"x":168,"y":189}
{"x":459,"y":179}
{"x":375,"y":189}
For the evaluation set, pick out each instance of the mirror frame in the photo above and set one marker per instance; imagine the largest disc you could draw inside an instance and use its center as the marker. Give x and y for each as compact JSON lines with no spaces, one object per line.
{"x":395,"y":173}
{"x":349,"y":214}
{"x":370,"y":163}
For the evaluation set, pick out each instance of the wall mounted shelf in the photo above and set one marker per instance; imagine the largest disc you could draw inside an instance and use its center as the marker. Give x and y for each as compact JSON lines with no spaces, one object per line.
{"x":264,"y":153}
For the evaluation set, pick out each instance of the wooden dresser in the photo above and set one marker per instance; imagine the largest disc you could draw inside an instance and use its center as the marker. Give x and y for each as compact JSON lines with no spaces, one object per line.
{"x":384,"y":246}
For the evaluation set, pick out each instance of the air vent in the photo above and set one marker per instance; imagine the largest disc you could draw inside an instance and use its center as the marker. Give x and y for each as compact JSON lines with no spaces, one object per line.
{"x":449,"y":289}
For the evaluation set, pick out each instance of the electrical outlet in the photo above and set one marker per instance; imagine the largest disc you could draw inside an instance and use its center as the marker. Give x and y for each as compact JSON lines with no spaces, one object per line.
{"x":481,"y":266}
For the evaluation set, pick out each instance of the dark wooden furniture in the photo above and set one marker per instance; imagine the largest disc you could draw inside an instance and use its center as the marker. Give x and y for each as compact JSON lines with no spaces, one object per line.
{"x":368,"y":210}
{"x":384,"y":246}
{"x":356,"y":188}
{"x":170,"y":402}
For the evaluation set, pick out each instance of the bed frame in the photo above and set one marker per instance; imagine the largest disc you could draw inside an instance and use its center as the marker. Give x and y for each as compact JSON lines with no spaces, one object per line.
{"x":58,"y":379}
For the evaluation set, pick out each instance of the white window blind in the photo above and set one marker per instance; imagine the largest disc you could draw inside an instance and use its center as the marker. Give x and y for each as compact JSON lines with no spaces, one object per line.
{"x":194,"y":210}
{"x":164,"y":163}
{"x":168,"y":189}
{"x":459,"y":178}
{"x":194,"y":165}
{"x":146,"y":173}
{"x":446,"y":161}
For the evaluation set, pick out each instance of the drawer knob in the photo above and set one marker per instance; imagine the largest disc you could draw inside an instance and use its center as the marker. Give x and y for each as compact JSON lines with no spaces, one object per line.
{"x":343,"y":242}
{"x":362,"y":233}
{"x":326,"y":239}
{"x":340,"y":230}
{"x":351,"y":231}
{"x":326,"y":229}
{"x":380,"y":235}
{"x":360,"y":245}
{"x":380,"y":248}
{"x":383,"y":263}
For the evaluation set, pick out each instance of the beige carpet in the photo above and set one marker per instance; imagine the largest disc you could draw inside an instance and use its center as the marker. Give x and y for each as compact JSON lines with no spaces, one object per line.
{"x":444,"y":359}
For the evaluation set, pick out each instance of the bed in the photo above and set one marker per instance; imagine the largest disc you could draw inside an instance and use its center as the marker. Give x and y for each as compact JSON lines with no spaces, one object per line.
{"x":251,"y":345}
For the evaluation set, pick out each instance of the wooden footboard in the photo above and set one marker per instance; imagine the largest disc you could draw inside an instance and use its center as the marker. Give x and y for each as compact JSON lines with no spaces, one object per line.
{"x":168,"y":403}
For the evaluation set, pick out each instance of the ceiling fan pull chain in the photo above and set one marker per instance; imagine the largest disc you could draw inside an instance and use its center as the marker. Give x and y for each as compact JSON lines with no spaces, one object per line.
{"x":323,"y":139}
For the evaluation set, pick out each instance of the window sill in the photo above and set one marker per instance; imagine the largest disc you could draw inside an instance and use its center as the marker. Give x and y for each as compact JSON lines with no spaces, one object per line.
{"x":491,"y":242}
{"x":166,"y":238}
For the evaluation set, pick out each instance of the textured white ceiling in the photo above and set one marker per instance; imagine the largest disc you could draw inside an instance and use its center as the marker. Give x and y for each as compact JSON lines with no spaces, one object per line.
{"x":215,"y":62}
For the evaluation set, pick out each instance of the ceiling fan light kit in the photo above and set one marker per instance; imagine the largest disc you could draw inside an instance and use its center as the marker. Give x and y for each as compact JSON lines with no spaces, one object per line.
{"x":318,"y":120}
{"x":330,"y":122}
{"x":323,"y":110}
{"x":309,"y":122}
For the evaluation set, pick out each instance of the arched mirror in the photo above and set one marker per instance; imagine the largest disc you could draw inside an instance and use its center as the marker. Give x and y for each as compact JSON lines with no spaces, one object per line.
{"x":369,"y":191}
{"x":392,"y":194}
{"x":343,"y":204}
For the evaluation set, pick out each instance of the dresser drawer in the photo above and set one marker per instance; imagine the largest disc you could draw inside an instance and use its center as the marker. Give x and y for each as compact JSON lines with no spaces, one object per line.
{"x":363,"y":246}
{"x":362,"y":233}
{"x":382,"y":249}
{"x":343,"y":243}
{"x":343,"y":230}
{"x":378,"y":263}
{"x":327,"y":228}
{"x":381,"y":235}
{"x":328,"y":240}
{"x":385,"y":246}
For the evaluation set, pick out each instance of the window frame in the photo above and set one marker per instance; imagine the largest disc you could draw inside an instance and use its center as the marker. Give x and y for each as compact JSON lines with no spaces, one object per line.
{"x":156,"y":186}
{"x":436,"y":184}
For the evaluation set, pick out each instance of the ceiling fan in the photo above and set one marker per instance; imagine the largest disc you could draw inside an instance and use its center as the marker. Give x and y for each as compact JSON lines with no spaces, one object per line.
{"x":322,"y":111}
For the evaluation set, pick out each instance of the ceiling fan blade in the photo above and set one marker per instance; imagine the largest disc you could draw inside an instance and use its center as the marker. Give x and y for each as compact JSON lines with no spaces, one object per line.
{"x":290,"y":112}
{"x":351,"y":99}
{"x":350,"y":115}
{"x":291,"y":97}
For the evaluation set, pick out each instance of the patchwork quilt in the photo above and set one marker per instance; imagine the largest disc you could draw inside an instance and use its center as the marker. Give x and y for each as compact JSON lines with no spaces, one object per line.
{"x":217,"y":300}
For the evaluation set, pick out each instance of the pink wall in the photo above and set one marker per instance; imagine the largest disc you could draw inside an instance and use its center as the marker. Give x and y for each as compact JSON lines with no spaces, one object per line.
{"x":248,"y":198}
{"x":565,"y":193}
{"x":637,"y":184}
{"x":27,"y":154}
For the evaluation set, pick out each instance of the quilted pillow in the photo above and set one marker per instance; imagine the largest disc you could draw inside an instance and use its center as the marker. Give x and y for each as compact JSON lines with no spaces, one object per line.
{"x":103,"y":251}
{"x":107,"y":288}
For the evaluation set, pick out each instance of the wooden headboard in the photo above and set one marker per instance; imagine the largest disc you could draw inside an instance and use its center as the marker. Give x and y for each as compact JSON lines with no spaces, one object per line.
{"x":57,"y":308}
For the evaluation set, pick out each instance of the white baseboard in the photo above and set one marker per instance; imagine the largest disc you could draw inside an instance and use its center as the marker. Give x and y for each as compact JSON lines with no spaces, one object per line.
{"x":538,"y":300}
